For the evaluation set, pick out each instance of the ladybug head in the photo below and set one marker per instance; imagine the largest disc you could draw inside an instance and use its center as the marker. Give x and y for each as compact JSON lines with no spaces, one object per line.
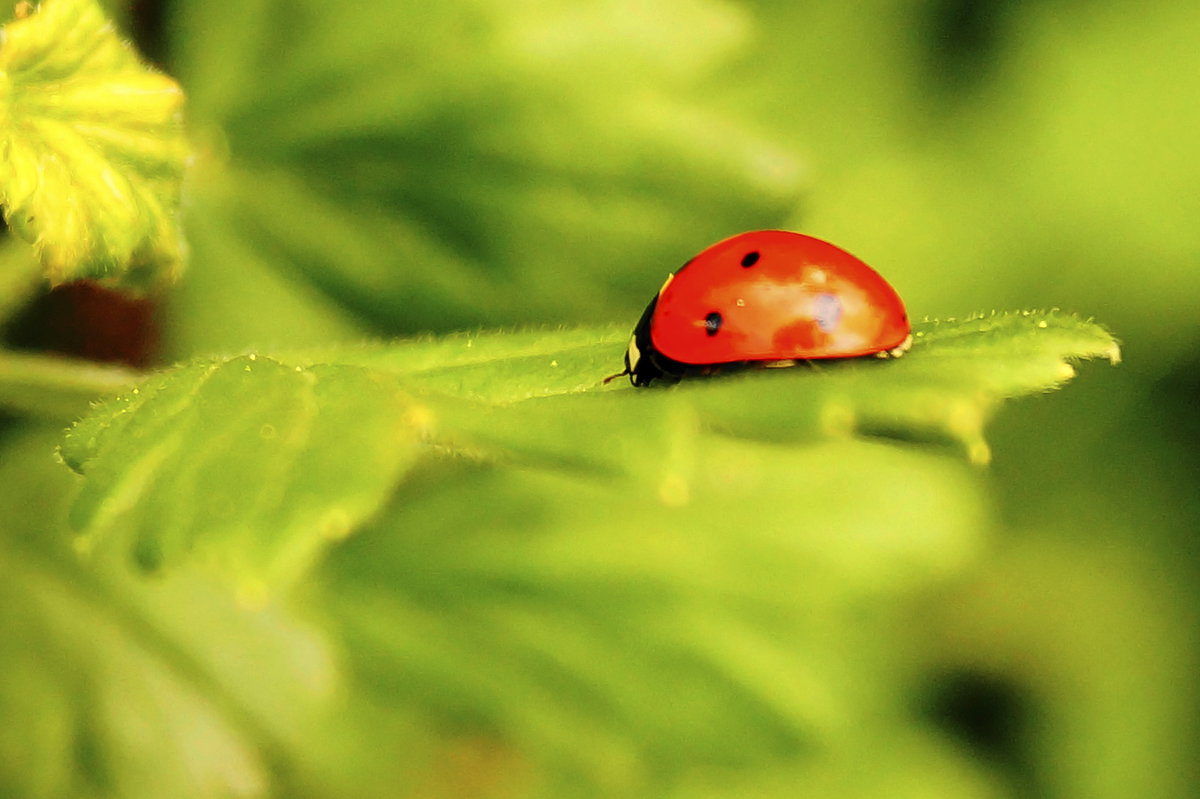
{"x":643,"y":362}
{"x":640,"y":354}
{"x":641,"y":370}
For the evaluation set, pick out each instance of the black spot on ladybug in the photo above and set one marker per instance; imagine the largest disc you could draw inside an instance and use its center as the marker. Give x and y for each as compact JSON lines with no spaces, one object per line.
{"x":750,"y":259}
{"x":712,"y":323}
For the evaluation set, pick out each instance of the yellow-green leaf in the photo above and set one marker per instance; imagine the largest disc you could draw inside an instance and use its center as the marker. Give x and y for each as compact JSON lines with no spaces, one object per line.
{"x":255,"y":465}
{"x":92,"y":150}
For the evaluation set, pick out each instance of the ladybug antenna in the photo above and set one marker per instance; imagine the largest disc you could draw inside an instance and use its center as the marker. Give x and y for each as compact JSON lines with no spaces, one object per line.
{"x":611,"y":378}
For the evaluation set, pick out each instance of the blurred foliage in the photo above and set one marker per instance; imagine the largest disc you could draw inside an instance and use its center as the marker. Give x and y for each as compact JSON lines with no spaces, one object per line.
{"x":409,"y":160}
{"x":456,"y":565}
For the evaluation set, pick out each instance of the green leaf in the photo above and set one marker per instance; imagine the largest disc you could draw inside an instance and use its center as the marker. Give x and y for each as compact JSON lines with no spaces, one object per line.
{"x":614,"y":638}
{"x":261,"y":463}
{"x":944,"y":389}
{"x":585,"y":573}
{"x":108,"y":694}
{"x":116,"y":686}
{"x":91,"y":148}
{"x":256,"y":465}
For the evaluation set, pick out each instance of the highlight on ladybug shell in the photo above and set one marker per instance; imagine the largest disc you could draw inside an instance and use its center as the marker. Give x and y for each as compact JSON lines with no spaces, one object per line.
{"x":765,"y":298}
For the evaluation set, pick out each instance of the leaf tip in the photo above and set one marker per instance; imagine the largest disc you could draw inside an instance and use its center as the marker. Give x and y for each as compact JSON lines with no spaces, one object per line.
{"x":979,"y":453}
{"x":966,"y":421}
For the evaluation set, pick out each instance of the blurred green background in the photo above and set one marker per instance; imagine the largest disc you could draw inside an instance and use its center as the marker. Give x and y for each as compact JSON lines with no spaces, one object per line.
{"x":386,"y":168}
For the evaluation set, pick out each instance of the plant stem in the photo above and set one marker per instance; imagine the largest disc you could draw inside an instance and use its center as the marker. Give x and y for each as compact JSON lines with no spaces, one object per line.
{"x":20,"y":276}
{"x":57,"y":387}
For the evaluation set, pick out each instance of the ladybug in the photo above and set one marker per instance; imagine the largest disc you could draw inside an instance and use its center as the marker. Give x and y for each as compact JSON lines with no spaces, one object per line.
{"x":765,"y":298}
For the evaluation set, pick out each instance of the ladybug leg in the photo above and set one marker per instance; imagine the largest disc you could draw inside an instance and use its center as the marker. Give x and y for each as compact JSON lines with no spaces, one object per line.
{"x":898,"y":350}
{"x":902,"y":347}
{"x":781,"y":364}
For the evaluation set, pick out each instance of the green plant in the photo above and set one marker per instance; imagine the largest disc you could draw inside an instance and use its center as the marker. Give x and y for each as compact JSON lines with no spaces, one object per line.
{"x":458,"y":564}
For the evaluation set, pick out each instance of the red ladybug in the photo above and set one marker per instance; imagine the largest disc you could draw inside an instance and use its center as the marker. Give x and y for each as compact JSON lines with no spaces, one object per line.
{"x":768,"y":298}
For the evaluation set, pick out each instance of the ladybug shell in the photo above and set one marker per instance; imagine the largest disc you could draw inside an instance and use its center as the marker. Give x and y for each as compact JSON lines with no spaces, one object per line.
{"x":768,"y":295}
